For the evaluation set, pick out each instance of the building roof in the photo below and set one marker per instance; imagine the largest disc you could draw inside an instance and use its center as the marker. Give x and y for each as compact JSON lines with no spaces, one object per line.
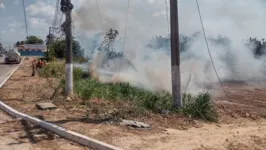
{"x":32,"y":47}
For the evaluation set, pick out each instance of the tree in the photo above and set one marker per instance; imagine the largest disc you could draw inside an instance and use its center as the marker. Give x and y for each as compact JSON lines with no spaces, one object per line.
{"x":161,"y":42}
{"x":1,"y":48}
{"x":107,"y":45}
{"x":258,"y":46}
{"x":17,"y":44}
{"x":30,"y":40}
{"x":58,"y":49}
{"x":33,"y":40}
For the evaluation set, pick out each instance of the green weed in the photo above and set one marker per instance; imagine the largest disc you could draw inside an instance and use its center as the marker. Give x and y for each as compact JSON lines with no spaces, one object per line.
{"x":199,"y":106}
{"x":88,"y":88}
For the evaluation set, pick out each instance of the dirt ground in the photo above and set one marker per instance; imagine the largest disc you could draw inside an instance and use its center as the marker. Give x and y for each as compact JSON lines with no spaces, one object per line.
{"x":20,"y":135}
{"x":240,"y":126}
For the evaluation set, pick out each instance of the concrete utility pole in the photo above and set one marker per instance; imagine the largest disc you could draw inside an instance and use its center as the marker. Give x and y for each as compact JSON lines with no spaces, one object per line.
{"x":66,"y":7}
{"x":175,"y":54}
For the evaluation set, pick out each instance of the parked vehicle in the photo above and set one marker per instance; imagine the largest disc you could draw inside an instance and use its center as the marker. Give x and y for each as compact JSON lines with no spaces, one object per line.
{"x":12,"y":56}
{"x":1,"y":55}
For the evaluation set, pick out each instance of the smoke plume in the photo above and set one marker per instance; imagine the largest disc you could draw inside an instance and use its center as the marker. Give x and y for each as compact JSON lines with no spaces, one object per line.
{"x":149,"y":68}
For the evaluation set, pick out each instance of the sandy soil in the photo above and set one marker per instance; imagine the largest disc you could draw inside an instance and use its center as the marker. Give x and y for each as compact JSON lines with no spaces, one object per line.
{"x":20,"y":135}
{"x":240,"y":126}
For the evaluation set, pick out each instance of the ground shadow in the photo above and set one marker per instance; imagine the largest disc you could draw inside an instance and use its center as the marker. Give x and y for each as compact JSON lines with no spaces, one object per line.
{"x":35,"y":133}
{"x":87,"y":120}
{"x":10,"y":64}
{"x":235,"y":81}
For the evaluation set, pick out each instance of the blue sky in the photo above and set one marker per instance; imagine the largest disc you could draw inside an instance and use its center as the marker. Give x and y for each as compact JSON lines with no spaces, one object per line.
{"x":12,"y":24}
{"x":234,"y":18}
{"x":85,"y":15}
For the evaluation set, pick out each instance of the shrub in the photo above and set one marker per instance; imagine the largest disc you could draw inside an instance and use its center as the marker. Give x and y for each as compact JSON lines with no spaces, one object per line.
{"x":56,"y":69}
{"x":199,"y":106}
{"x":77,"y":73}
{"x":91,"y":88}
{"x":53,"y":69}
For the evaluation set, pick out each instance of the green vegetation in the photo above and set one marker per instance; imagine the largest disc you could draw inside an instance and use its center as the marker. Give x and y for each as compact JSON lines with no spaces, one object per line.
{"x":87,"y":88}
{"x":30,"y":40}
{"x":199,"y":106}
{"x":91,"y":88}
{"x":53,"y":69}
{"x":58,"y":49}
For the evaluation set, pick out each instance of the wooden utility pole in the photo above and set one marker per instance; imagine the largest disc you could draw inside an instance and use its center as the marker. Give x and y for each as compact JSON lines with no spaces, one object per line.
{"x":175,"y":54}
{"x":66,"y":7}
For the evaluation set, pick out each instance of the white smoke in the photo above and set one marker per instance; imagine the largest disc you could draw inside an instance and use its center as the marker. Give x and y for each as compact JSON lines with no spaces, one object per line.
{"x":235,"y":19}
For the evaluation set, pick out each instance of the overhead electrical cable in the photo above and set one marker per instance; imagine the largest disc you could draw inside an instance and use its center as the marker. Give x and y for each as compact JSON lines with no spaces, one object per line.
{"x":208,"y":48}
{"x":124,"y":42}
{"x":166,"y":13}
{"x":56,"y":13}
{"x":100,"y":15}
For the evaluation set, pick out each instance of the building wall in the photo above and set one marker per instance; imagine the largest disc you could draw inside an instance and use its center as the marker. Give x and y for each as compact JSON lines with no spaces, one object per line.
{"x":31,"y":53}
{"x":32,"y":49}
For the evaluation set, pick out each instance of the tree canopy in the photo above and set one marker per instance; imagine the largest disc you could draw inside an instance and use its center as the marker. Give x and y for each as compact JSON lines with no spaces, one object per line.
{"x":33,"y":40}
{"x":58,"y":49}
{"x":30,"y":40}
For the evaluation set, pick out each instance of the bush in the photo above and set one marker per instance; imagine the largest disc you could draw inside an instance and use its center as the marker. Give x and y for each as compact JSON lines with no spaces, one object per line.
{"x":91,"y":88}
{"x":53,"y":69}
{"x":56,"y":69}
{"x":77,"y":73}
{"x":199,"y":106}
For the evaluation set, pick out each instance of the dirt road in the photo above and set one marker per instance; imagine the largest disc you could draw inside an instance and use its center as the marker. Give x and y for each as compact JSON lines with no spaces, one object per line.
{"x":20,"y":135}
{"x":246,"y":136}
{"x":8,"y":141}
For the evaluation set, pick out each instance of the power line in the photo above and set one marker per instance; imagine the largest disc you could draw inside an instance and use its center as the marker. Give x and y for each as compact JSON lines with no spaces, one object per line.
{"x":61,"y":19}
{"x":166,"y":13}
{"x":123,"y":48}
{"x":55,"y":14}
{"x":56,"y":23}
{"x":208,"y":48}
{"x":100,"y":16}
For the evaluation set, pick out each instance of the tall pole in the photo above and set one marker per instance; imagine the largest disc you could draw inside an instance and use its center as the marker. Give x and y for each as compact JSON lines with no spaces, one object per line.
{"x":47,"y":45}
{"x":50,"y":39}
{"x":175,"y":54}
{"x":66,"y":7}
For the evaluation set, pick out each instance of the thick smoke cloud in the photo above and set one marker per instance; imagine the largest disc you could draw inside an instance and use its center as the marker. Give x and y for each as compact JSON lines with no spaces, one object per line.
{"x":235,"y":19}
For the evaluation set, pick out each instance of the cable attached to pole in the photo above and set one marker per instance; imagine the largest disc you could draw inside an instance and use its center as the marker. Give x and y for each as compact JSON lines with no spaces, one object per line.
{"x":208,"y":48}
{"x":124,"y":42}
{"x":100,"y":15}
{"x":166,"y":13}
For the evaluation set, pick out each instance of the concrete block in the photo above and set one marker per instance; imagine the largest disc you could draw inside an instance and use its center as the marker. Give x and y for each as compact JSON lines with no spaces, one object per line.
{"x":45,"y":106}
